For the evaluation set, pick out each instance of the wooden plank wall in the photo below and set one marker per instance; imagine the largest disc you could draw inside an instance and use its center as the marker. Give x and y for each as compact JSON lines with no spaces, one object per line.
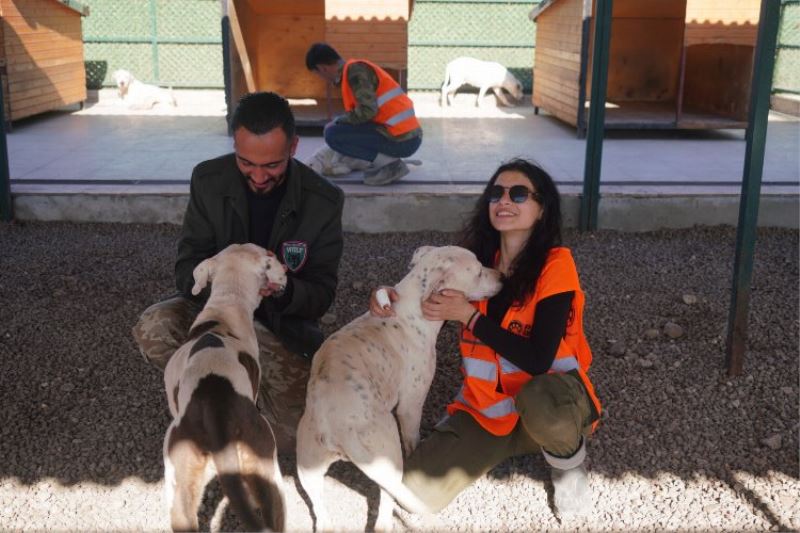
{"x":556,"y":70}
{"x":376,"y":30}
{"x":645,"y":54}
{"x":277,"y":35}
{"x":720,"y":41}
{"x":43,"y":53}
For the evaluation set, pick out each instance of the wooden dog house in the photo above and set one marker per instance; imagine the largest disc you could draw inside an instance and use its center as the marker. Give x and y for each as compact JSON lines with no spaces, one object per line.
{"x":41,"y":57}
{"x":683,"y":64}
{"x":269,"y":41}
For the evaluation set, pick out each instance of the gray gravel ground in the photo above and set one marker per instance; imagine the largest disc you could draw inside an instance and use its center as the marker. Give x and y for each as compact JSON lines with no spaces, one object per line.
{"x":681,"y":447}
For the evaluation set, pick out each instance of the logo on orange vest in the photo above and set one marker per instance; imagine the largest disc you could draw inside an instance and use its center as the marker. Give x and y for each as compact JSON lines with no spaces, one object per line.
{"x":518,"y":328}
{"x":294,"y":254}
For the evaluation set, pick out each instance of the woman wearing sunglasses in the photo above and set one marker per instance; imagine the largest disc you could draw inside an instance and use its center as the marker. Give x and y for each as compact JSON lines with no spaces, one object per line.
{"x":524,"y":354}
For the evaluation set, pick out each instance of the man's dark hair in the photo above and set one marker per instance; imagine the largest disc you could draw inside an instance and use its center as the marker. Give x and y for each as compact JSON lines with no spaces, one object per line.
{"x":321,"y":54}
{"x":262,"y":112}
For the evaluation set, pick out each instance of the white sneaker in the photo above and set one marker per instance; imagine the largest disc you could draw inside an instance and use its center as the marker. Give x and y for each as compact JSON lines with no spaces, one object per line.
{"x":572,"y":496}
{"x":386,"y":174}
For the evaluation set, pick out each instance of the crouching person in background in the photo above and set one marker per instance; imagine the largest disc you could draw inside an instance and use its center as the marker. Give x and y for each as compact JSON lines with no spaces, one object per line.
{"x":379,"y":125}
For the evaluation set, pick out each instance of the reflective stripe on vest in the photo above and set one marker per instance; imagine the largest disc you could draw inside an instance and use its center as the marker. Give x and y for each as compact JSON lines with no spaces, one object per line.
{"x":395,"y":109}
{"x":385,"y":97}
{"x":561,"y":365}
{"x":400,"y":117}
{"x":478,"y":368}
{"x":507,"y":367}
{"x":564,"y":365}
{"x":500,"y":409}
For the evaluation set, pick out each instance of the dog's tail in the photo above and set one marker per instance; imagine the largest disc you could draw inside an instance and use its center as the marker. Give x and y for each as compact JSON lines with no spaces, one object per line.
{"x":242,"y":446}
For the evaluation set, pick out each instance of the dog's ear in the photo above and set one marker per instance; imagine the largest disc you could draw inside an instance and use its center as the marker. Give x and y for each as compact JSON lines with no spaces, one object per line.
{"x":274,"y":271}
{"x":203,"y":273}
{"x":440,"y":278}
{"x":418,"y":254}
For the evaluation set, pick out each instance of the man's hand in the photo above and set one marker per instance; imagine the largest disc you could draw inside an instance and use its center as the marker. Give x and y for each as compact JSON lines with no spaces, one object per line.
{"x":375,"y":307}
{"x":272,"y":289}
{"x":448,"y":304}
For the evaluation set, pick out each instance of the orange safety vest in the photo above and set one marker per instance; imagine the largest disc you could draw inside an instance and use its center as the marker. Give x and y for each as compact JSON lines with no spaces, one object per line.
{"x":395,"y":109}
{"x":494,"y":409}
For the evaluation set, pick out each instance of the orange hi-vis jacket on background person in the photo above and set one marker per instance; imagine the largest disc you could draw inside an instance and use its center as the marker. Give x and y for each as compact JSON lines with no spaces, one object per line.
{"x":395,"y":109}
{"x":492,"y":406}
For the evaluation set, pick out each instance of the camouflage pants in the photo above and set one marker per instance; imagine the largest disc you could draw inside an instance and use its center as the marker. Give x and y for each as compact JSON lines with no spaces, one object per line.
{"x":163,"y":328}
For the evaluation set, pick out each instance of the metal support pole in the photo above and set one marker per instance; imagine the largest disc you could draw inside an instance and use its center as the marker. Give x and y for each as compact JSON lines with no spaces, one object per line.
{"x":597,"y":117}
{"x":6,"y":209}
{"x":756,"y":136}
{"x":154,"y":41}
{"x":226,"y":69}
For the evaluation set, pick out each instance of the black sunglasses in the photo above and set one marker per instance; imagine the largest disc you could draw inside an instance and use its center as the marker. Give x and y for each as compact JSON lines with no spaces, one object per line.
{"x":517,"y":193}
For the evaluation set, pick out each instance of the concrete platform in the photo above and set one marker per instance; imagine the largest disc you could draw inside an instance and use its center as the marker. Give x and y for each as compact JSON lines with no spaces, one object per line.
{"x":106,"y":163}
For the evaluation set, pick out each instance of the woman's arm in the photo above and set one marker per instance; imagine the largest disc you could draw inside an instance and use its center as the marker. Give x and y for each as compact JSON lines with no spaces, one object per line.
{"x":536,"y":353}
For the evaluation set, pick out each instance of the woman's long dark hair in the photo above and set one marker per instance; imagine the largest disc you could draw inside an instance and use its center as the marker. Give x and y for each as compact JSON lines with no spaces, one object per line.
{"x":481,"y":238}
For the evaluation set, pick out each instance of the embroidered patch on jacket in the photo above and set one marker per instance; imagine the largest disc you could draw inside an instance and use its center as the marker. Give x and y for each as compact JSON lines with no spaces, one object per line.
{"x":294,"y":254}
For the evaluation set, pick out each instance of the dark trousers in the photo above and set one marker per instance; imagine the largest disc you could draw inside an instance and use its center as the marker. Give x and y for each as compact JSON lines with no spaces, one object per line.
{"x":364,"y":141}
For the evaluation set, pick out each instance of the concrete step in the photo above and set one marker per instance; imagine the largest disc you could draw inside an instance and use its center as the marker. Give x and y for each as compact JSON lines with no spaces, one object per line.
{"x":418,"y":207}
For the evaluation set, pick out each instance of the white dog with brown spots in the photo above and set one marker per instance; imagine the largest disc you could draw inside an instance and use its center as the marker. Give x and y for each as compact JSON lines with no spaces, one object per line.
{"x":373,"y":366}
{"x":212,"y":385}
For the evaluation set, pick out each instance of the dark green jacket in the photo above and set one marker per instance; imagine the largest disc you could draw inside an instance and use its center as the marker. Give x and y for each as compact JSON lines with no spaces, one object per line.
{"x":310,"y":212}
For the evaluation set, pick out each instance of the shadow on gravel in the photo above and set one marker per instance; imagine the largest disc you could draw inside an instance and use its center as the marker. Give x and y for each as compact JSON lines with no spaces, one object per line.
{"x":80,"y":403}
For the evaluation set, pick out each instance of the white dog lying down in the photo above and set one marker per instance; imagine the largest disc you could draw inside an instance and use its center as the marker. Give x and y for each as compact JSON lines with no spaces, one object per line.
{"x":482,"y":74}
{"x":212,"y":385}
{"x":328,"y":162}
{"x":140,"y":95}
{"x":375,"y":365}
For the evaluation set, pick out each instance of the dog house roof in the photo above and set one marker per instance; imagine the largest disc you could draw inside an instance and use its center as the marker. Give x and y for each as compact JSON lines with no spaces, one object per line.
{"x":75,"y":6}
{"x":545,"y":4}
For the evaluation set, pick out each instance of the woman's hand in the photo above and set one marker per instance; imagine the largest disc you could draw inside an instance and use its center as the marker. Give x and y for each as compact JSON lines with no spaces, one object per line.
{"x":375,"y":308}
{"x":448,"y":304}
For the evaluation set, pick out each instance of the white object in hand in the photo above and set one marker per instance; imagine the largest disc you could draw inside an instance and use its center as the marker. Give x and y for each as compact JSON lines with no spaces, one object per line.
{"x":383,"y":298}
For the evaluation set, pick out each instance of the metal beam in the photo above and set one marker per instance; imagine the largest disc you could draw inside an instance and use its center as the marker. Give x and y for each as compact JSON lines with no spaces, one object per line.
{"x":6,"y":209}
{"x":597,"y":117}
{"x":756,"y":136}
{"x":154,"y":40}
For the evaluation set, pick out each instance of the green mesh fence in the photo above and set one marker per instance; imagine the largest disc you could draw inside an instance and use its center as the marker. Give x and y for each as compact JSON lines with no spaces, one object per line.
{"x":167,"y":42}
{"x":442,"y":30}
{"x":787,"y":62}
